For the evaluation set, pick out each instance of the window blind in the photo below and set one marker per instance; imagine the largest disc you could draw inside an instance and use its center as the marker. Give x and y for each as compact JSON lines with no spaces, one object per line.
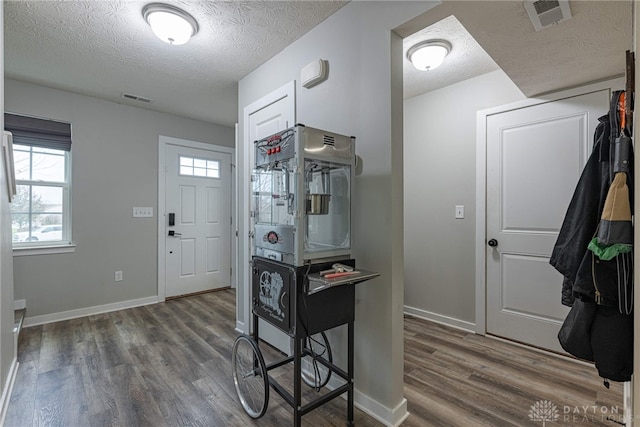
{"x":38,"y":132}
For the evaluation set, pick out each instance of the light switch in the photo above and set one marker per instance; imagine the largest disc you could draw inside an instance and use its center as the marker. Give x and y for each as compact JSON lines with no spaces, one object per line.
{"x":459,"y":211}
{"x":143,"y":212}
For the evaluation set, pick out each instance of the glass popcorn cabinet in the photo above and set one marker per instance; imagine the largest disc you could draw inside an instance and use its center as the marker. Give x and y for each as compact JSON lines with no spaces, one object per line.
{"x":302,"y":196}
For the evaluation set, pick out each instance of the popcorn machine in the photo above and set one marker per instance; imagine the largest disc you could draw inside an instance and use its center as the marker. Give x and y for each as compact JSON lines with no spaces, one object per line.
{"x":302,"y":195}
{"x":302,"y":270}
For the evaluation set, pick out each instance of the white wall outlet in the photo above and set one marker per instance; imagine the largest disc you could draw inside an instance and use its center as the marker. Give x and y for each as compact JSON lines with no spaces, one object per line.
{"x":142,"y":212}
{"x":118,"y":276}
{"x":459,"y":211}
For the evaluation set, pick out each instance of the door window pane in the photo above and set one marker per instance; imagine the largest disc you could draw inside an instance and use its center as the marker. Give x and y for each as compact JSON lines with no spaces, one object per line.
{"x":190,"y":166}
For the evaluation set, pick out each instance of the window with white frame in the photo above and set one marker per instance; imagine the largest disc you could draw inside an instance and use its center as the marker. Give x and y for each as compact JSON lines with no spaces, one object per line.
{"x":190,"y":166}
{"x":42,"y":157}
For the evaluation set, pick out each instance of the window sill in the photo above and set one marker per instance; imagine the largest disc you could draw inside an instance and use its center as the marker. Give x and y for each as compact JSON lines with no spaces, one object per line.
{"x":44,"y":250}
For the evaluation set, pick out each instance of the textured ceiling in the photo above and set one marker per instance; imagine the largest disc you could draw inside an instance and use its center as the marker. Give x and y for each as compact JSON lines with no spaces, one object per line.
{"x":588,"y":47}
{"x":467,"y":58}
{"x":105,"y":48}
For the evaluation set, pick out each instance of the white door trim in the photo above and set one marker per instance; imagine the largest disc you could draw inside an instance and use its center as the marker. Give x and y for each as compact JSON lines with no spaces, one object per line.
{"x":481,"y":183}
{"x":234,"y":210}
{"x":243,"y":312}
{"x":163,"y":141}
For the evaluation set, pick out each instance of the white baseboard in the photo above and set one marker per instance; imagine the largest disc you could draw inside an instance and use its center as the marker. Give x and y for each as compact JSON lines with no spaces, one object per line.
{"x":8,"y":389}
{"x":387,"y":416}
{"x":88,"y":311}
{"x":627,"y":399}
{"x":240,"y":327}
{"x":19,"y":304}
{"x":439,"y":318}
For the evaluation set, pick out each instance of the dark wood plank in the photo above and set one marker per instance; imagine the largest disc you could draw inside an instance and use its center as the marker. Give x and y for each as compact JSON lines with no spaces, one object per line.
{"x":111,"y":347}
{"x":60,"y":398}
{"x":23,"y":396}
{"x":134,"y":404}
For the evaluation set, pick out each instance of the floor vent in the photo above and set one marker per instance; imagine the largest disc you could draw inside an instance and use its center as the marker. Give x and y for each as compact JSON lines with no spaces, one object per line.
{"x":544,"y":13}
{"x":136,"y":98}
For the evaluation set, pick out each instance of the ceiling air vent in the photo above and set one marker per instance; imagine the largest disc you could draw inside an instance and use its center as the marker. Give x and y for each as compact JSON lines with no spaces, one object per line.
{"x":544,"y":13}
{"x":136,"y":98}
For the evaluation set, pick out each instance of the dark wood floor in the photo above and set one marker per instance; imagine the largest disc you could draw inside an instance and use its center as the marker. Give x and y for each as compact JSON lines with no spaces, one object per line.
{"x":169,"y":365}
{"x":456,"y":378}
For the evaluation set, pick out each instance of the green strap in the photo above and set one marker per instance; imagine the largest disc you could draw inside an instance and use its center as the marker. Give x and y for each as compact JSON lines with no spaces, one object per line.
{"x":608,"y":252}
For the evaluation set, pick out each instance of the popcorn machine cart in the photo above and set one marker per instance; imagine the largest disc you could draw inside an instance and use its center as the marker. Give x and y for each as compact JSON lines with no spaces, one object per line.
{"x":303,"y":276}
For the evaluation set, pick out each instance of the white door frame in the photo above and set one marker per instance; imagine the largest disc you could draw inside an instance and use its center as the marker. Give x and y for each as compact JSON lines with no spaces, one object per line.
{"x":243,"y":311}
{"x":163,"y":141}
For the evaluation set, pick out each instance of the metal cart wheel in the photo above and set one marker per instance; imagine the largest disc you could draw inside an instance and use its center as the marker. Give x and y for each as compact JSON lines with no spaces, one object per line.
{"x":250,"y":376}
{"x":315,"y":374}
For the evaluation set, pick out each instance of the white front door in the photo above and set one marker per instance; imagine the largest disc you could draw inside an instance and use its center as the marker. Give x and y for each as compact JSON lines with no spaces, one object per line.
{"x":197,"y":220}
{"x":535,"y":156}
{"x":267,"y":120}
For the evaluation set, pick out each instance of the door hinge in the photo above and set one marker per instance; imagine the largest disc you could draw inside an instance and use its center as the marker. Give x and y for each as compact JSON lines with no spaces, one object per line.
{"x":253,"y":178}
{"x":231,"y":220}
{"x":251,"y":234}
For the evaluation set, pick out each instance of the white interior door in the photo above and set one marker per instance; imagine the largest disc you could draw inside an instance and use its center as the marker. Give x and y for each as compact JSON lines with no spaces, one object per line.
{"x":272,"y":118}
{"x":198,"y":203}
{"x":535,"y":156}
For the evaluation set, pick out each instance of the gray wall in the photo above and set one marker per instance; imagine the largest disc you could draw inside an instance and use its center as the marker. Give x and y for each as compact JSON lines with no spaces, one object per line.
{"x":440,"y":173}
{"x":362,"y":97}
{"x":114,"y":168}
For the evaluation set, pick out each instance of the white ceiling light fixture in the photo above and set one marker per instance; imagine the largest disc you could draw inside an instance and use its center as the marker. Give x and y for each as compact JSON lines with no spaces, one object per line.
{"x":428,"y":55}
{"x":170,"y":24}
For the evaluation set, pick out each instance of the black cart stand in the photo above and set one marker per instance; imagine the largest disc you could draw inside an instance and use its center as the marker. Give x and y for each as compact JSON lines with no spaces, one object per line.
{"x":299,"y":302}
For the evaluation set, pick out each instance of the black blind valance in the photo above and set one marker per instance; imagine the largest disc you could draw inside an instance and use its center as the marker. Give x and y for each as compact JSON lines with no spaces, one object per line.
{"x":38,"y":132}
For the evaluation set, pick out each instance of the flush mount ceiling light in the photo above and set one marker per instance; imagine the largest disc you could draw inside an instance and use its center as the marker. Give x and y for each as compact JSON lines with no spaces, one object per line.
{"x":428,"y":55}
{"x":170,"y":24}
